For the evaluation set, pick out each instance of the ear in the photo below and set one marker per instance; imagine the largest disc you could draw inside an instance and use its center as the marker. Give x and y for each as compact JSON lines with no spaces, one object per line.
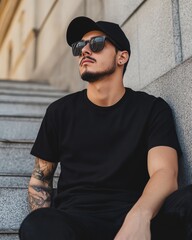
{"x":122,"y":58}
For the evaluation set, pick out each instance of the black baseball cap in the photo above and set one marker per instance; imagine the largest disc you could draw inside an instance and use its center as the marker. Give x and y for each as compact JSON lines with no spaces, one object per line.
{"x":79,"y":26}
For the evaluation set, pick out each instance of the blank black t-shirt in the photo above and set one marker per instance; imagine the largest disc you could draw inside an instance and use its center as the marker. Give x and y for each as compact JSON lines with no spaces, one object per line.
{"x":104,"y":149}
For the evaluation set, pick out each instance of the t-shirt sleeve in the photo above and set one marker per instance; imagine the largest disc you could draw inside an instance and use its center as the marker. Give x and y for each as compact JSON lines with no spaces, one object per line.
{"x":161,"y":127}
{"x":46,"y":143}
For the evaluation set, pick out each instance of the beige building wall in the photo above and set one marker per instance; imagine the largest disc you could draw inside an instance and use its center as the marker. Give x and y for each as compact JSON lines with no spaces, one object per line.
{"x":36,"y":48}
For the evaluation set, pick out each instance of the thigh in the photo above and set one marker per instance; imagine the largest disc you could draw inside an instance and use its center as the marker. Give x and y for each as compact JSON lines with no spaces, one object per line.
{"x":51,"y":224}
{"x":174,"y":220}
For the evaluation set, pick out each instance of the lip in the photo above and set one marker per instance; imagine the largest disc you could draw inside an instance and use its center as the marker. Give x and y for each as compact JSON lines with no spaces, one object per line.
{"x":86,"y":60}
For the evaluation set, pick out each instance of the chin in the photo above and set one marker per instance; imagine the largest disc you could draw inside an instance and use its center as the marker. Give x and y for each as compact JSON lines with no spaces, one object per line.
{"x":90,"y":76}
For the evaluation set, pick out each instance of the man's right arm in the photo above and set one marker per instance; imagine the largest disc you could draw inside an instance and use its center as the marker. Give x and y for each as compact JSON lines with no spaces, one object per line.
{"x":41,"y":184}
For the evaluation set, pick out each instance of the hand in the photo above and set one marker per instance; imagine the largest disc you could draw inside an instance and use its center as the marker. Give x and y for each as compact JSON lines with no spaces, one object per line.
{"x":135,"y":227}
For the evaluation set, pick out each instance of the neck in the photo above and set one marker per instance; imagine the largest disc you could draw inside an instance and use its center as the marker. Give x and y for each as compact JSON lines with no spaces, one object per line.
{"x":105,"y":92}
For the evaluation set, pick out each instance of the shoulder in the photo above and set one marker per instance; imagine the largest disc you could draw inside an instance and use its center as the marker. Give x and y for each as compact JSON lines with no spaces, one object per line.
{"x":146,"y":100}
{"x":66,"y":101}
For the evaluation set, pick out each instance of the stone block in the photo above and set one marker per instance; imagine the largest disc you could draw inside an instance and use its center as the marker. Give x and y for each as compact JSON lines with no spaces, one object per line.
{"x":186,"y":27}
{"x":120,"y":11}
{"x":151,"y":36}
{"x":176,"y":88}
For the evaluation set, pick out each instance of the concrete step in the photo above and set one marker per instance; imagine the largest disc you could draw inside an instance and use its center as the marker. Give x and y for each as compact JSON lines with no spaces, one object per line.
{"x":15,"y":181}
{"x":23,"y":110}
{"x":27,"y":85}
{"x":26,"y":99}
{"x":15,"y":160}
{"x":19,"y":129}
{"x":22,"y":107}
{"x":26,"y":92}
{"x":9,"y":236}
{"x":14,"y":208}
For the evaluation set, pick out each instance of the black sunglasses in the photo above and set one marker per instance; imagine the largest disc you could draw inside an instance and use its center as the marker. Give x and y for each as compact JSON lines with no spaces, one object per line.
{"x":96,"y":44}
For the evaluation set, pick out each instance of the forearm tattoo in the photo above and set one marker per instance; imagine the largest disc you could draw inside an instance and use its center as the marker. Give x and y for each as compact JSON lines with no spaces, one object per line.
{"x":40,"y":195}
{"x":44,"y":171}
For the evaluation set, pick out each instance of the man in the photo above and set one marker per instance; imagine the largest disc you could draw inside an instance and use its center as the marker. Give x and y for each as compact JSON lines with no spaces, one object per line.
{"x":118,"y":151}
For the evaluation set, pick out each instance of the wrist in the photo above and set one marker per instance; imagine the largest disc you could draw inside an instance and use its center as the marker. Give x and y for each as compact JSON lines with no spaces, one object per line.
{"x":140,"y":212}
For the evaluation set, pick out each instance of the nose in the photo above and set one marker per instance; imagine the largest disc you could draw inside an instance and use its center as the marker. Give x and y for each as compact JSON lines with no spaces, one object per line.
{"x":86,"y":50}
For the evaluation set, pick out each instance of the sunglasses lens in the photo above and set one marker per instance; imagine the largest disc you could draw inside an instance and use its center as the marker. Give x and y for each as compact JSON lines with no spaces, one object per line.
{"x":97,"y":44}
{"x":77,"y":47}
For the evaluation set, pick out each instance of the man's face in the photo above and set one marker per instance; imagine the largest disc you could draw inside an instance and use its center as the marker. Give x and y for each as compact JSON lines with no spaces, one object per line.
{"x":94,"y":66}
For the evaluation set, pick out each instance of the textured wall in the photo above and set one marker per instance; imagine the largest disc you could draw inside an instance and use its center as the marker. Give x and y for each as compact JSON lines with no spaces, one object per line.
{"x":176,"y":88}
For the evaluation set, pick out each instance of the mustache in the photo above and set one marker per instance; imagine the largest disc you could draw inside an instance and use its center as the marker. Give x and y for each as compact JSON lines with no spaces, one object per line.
{"x":87,"y":57}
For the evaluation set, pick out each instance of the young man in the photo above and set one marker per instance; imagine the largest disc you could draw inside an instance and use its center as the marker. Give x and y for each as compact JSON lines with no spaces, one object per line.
{"x":118,"y":151}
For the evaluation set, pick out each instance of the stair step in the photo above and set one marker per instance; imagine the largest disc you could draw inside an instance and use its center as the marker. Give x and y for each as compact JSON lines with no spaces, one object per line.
{"x":14,"y":129}
{"x":26,"y":99}
{"x":15,"y":159}
{"x":14,"y":208}
{"x":19,"y":182}
{"x":23,"y":110}
{"x":22,"y":107}
{"x":40,"y":93}
{"x":27,"y":85}
{"x":9,"y":236}
{"x":14,"y":182}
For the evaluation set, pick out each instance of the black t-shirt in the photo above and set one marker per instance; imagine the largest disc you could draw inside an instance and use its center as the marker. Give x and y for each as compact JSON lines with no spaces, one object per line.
{"x":104,"y":149}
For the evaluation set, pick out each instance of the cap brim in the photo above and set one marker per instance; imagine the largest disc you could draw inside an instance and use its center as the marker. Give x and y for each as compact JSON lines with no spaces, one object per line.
{"x":79,"y":27}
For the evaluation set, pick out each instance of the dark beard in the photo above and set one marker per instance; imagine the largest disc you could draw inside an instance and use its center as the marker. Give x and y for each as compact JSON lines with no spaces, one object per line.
{"x":92,"y":77}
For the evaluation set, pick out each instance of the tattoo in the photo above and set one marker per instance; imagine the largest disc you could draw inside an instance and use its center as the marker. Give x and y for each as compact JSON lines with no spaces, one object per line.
{"x":44,"y":170}
{"x":39,"y":194}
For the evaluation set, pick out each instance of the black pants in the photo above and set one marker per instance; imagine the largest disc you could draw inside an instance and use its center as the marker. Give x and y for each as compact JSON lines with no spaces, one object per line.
{"x":174,"y":222}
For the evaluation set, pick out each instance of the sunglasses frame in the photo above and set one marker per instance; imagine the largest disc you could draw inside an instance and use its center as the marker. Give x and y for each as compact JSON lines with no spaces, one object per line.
{"x":90,"y":41}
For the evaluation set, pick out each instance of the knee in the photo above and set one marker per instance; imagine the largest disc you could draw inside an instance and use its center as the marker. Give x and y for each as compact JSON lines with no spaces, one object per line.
{"x":30,"y":225}
{"x":185,"y":201}
{"x":180,"y":202}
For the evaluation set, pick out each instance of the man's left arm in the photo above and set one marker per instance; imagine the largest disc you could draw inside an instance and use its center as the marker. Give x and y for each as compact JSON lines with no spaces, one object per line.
{"x":163,"y":171}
